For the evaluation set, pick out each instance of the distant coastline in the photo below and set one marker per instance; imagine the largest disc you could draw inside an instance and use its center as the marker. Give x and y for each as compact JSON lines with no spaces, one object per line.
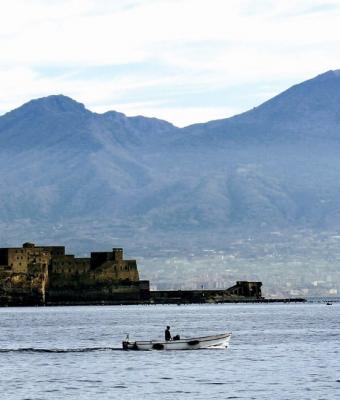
{"x":34,"y":275}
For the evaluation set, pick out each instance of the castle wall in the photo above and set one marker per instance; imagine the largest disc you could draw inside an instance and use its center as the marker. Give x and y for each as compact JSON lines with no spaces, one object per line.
{"x":19,"y":259}
{"x":69,"y":266}
{"x":38,"y":274}
{"x":103,"y":278}
{"x":17,"y":288}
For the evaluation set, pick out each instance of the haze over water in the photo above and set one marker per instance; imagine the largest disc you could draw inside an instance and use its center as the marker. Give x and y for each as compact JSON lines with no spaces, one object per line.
{"x":277,"y":352}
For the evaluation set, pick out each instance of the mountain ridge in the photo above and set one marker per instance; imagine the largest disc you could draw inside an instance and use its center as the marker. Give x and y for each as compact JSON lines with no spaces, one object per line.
{"x":273,"y":166}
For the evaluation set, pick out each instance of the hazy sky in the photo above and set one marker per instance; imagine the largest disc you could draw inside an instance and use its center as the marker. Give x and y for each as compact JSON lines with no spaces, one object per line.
{"x":182,"y":60}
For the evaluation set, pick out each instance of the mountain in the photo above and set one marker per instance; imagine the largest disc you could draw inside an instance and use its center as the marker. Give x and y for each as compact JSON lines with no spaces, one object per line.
{"x":59,"y":160}
{"x":72,"y":175}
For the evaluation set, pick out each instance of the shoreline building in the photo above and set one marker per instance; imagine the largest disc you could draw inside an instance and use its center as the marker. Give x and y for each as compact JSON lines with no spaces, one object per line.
{"x":31,"y":275}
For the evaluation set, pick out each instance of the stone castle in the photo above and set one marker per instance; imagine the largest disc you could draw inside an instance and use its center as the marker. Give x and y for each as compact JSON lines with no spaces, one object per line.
{"x":46,"y":275}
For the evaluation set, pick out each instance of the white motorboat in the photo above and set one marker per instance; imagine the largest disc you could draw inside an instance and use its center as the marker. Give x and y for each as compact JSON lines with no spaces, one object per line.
{"x":220,"y":341}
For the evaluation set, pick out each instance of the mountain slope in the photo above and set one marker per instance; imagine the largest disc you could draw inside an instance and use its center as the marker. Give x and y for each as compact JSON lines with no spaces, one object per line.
{"x":306,"y":111}
{"x":275,"y":166}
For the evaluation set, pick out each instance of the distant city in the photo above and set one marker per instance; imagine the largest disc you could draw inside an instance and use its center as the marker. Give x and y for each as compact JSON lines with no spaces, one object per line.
{"x":303,"y":264}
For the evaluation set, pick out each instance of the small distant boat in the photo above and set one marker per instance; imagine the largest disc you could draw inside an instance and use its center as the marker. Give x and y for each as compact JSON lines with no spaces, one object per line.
{"x":220,"y":341}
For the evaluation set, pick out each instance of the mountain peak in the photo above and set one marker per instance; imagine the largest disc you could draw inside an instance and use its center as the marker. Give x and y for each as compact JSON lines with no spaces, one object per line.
{"x":50,"y":104}
{"x":331,"y":74}
{"x":56,"y":103}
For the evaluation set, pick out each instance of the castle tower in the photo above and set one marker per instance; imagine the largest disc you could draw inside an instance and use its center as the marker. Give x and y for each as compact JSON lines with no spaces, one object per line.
{"x":117,"y":254}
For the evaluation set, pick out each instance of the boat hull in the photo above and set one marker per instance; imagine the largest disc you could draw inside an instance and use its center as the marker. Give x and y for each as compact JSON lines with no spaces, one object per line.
{"x":203,"y":342}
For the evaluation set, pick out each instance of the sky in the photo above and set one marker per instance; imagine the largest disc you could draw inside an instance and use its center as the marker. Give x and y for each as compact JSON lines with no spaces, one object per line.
{"x":185,"y":61}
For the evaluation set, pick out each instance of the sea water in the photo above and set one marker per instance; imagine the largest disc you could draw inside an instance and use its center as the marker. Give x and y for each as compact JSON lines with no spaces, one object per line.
{"x":277,"y":351}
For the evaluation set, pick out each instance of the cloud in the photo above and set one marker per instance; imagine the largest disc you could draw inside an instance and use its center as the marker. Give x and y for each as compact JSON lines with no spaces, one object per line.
{"x":106,"y":53}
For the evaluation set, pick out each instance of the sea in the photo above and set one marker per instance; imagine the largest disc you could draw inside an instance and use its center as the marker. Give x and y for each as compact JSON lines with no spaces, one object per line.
{"x":277,"y":351}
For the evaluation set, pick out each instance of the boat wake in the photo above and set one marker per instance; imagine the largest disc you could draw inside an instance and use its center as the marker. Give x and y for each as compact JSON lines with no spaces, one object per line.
{"x":72,"y":350}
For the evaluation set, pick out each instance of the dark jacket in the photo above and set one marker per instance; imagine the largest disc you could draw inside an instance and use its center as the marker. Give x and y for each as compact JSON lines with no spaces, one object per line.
{"x":167,"y":334}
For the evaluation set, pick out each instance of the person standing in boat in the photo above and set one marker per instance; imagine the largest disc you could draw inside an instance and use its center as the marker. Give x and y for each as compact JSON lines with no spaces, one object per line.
{"x":167,"y":334}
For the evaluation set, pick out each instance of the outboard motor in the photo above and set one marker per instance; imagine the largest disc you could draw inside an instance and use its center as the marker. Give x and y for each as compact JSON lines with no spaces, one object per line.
{"x":125,"y":343}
